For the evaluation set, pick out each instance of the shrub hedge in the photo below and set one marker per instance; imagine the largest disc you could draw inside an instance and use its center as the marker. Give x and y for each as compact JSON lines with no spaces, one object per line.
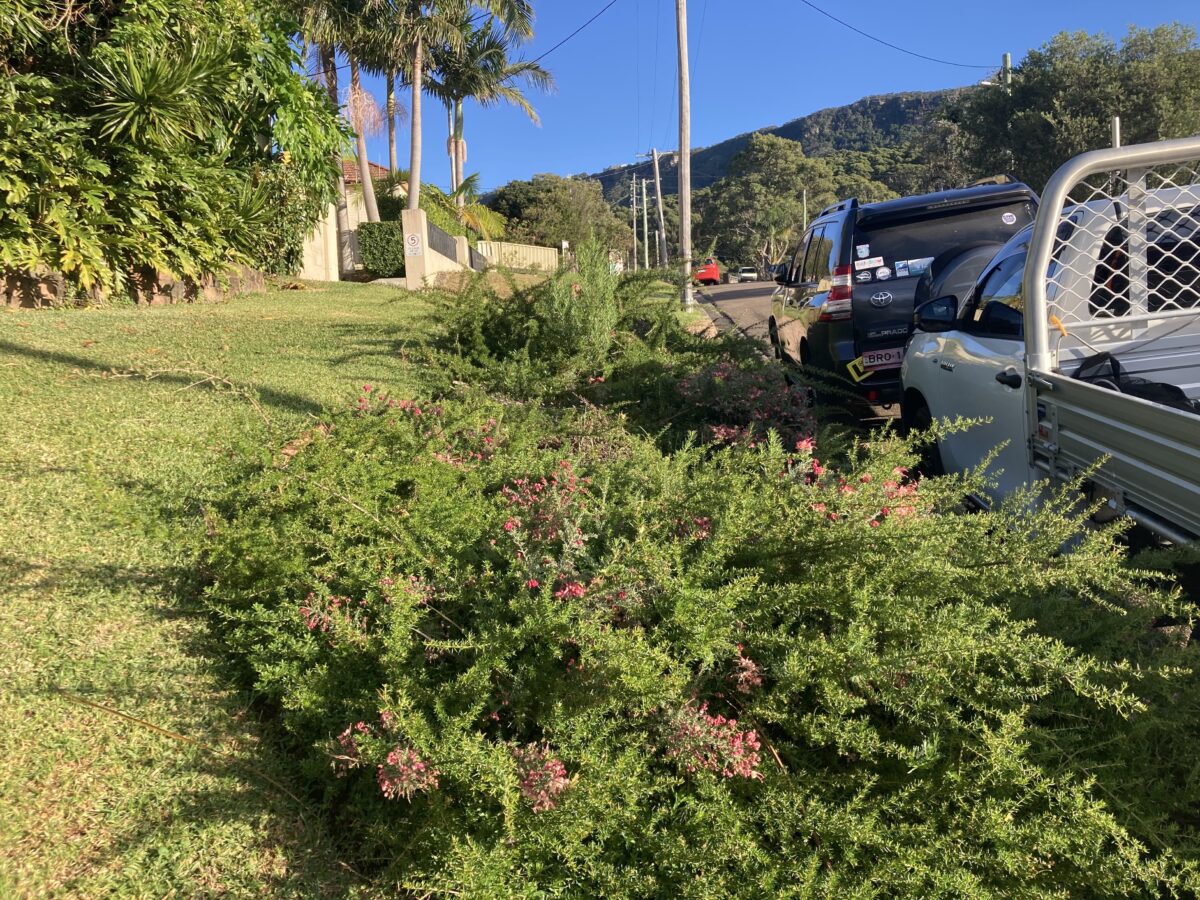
{"x":382,"y":247}
{"x":525,"y":646}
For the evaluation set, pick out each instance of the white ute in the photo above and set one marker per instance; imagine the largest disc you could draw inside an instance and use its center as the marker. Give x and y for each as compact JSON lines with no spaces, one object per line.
{"x":1081,"y":341}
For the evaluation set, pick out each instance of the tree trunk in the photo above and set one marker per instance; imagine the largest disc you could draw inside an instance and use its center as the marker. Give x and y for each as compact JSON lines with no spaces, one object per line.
{"x":451,"y":147}
{"x":364,"y":165}
{"x":414,"y":163}
{"x":345,"y":247}
{"x":393,"y":160}
{"x":459,"y":151}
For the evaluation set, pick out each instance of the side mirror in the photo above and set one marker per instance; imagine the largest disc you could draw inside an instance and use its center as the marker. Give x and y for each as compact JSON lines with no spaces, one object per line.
{"x":937,"y":315}
{"x":781,"y":277}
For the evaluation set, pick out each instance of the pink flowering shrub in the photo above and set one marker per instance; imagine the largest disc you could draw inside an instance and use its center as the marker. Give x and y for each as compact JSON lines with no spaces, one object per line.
{"x":524,"y":644}
{"x":703,"y":742}
{"x":543,"y":776}
{"x":404,"y":773}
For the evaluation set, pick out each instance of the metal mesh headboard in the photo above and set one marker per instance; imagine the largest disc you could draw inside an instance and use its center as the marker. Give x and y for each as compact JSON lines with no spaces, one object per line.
{"x":1122,"y":255}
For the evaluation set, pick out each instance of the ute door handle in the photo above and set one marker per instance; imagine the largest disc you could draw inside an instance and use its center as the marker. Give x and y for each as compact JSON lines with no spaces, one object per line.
{"x":1009,"y":378}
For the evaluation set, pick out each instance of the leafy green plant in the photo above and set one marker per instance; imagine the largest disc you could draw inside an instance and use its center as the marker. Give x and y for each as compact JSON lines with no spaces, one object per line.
{"x":382,"y":247}
{"x":519,"y":646}
{"x":631,"y":627}
{"x":135,"y":138}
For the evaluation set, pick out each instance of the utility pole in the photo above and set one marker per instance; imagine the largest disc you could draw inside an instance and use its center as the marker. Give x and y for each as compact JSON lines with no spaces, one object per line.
{"x":645,"y":226}
{"x":685,"y":152}
{"x":662,"y":225}
{"x":633,"y":210}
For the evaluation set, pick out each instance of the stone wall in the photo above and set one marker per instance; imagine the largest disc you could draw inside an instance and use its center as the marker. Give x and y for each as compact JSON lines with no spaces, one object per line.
{"x":146,"y":287}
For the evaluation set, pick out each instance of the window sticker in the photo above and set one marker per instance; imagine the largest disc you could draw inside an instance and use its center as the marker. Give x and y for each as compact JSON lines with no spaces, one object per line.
{"x":883,"y":273}
{"x":919,"y":266}
{"x":871,"y":263}
{"x":1008,"y":219}
{"x":863,"y":277}
{"x":862,"y":251}
{"x":902,"y":268}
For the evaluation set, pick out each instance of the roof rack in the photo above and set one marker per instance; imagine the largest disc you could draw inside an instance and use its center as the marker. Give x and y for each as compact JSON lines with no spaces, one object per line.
{"x":840,"y":206}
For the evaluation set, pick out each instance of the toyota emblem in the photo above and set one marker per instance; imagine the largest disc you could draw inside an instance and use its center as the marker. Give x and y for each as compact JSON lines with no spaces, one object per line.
{"x":882,"y":299}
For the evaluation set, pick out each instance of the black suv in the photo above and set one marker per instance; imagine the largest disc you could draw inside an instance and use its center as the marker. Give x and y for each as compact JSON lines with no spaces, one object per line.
{"x":845,"y":304}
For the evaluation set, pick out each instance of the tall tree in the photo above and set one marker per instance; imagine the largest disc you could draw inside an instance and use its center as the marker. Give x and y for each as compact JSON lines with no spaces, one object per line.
{"x":757,"y":208}
{"x":477,"y":67}
{"x":364,"y":116}
{"x":325,"y":23}
{"x":550,"y":209}
{"x":422,"y":24}
{"x":1063,"y":97}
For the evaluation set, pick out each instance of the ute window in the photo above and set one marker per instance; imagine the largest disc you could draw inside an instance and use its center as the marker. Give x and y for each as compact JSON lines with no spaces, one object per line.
{"x":928,"y":236}
{"x":999,"y":306}
{"x":1172,"y":266}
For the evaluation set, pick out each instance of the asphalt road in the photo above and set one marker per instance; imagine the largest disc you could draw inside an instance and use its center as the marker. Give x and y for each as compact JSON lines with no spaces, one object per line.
{"x":745,"y":307}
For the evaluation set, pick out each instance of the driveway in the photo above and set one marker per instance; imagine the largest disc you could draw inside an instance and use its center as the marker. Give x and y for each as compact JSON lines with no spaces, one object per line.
{"x":745,"y":307}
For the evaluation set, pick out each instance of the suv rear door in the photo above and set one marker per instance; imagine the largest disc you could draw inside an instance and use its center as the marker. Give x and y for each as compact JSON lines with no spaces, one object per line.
{"x":893,"y":255}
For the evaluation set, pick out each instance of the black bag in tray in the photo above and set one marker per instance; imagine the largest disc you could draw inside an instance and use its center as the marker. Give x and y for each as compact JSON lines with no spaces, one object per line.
{"x":1104,"y":370}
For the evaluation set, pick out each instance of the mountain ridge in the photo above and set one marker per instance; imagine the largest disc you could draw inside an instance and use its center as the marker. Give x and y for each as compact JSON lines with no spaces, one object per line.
{"x":872,"y":121}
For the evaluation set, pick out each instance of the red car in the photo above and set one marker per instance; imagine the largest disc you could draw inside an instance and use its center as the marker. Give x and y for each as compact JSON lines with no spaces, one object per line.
{"x":707,"y":272}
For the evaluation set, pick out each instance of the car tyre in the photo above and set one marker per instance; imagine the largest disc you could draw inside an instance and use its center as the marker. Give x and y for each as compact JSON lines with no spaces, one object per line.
{"x":920,"y":419}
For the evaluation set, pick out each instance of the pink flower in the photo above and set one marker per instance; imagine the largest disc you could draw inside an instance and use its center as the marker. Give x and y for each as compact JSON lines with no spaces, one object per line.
{"x":713,"y":744}
{"x":543,"y":776}
{"x":570,"y":589}
{"x":511,"y":525}
{"x":866,"y":478}
{"x":404,"y":774}
{"x":368,"y":388}
{"x":746,"y":673}
{"x":806,"y":445}
{"x":532,"y":584}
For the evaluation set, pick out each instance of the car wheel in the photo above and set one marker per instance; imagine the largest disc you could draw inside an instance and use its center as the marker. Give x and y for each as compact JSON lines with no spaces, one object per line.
{"x":918,"y":420}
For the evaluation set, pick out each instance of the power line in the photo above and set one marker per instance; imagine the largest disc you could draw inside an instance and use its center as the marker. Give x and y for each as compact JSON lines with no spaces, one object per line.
{"x":877,"y":40}
{"x":606,"y":8}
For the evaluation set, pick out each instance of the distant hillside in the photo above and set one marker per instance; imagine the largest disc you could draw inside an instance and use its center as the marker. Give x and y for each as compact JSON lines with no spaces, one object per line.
{"x":870,"y":122}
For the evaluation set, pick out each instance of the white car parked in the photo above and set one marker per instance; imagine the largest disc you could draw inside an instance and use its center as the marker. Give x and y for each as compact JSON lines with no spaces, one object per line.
{"x":1080,"y":342}
{"x":745,"y":273}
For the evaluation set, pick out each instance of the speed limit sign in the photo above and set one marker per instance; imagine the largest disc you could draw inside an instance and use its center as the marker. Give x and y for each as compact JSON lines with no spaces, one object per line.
{"x":412,"y":245}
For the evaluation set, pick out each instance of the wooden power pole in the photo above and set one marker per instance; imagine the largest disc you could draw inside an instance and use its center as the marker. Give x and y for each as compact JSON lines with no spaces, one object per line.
{"x":645,"y":226}
{"x":633,"y":211}
{"x":663,"y":255}
{"x":685,"y":152}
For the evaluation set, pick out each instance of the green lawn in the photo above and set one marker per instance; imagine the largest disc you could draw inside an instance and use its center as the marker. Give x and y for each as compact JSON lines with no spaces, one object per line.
{"x":112,"y":419}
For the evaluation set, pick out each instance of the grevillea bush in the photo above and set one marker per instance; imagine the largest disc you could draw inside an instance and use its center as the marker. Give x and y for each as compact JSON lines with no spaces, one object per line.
{"x":524,"y":651}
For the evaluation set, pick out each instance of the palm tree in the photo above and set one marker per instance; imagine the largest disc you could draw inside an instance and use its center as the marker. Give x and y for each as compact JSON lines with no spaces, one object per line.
{"x":364,"y":116}
{"x":422,"y":24}
{"x":478,"y":67}
{"x":324,"y":23}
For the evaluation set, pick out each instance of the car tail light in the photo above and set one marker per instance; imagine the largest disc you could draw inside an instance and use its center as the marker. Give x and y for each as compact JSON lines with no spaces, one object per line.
{"x":837,"y":302}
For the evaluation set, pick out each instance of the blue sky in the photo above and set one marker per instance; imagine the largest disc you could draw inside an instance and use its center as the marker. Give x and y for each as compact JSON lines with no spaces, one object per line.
{"x":754,"y":63}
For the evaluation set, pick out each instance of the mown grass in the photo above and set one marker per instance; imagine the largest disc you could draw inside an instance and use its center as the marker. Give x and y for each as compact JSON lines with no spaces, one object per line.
{"x":112,"y":419}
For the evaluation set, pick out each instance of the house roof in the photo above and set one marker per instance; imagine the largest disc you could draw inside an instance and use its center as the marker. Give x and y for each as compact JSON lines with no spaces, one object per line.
{"x":350,"y":171}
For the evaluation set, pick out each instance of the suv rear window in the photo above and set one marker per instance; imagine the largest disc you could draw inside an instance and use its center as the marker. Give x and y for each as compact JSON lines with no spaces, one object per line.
{"x":906,"y":247}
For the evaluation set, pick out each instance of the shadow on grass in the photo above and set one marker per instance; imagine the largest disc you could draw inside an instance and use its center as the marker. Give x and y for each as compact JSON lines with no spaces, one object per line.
{"x":283,"y":401}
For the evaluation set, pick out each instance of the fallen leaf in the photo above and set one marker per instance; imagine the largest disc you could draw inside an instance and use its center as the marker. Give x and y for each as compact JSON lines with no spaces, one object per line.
{"x":89,"y":343}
